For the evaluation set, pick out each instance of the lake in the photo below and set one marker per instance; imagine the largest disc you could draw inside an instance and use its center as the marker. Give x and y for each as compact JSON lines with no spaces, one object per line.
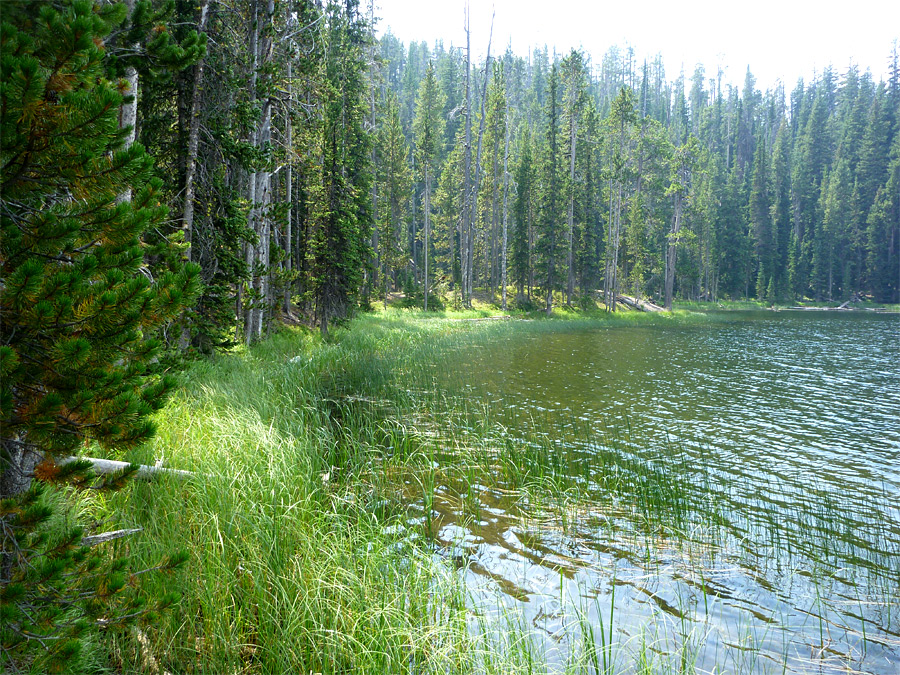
{"x":735,"y":498}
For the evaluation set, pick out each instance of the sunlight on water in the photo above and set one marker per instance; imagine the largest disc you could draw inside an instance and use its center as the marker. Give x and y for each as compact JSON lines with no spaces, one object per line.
{"x":785,"y":428}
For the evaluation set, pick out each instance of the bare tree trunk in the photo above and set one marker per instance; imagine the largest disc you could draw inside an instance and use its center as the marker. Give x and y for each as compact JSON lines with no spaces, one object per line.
{"x":487,"y":70}
{"x":618,"y":237}
{"x":128,"y":111}
{"x":671,"y":251}
{"x":261,"y":183}
{"x":608,"y":277}
{"x":505,"y":200}
{"x":465,"y":225}
{"x":427,"y":227}
{"x":495,"y":217}
{"x":570,"y":233}
{"x":289,"y":194}
{"x":187,"y":214}
{"x":250,"y":248}
{"x":376,"y":267}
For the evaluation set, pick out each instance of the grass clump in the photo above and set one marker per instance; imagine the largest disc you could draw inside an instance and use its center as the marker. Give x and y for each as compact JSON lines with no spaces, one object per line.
{"x":290,"y":569}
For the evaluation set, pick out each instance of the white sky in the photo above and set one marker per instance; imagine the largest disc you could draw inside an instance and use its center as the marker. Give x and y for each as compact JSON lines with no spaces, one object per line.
{"x":783,"y":39}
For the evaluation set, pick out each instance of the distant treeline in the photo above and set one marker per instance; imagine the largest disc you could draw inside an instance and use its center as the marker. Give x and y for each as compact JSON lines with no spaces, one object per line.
{"x":621,"y":179}
{"x":310,"y":168}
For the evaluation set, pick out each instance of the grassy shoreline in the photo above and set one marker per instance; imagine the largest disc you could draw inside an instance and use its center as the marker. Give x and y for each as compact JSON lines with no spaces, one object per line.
{"x":293,"y":567}
{"x":310,"y":453}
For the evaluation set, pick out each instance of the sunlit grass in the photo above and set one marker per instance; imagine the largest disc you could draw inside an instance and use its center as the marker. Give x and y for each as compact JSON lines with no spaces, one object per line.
{"x":326,"y":470}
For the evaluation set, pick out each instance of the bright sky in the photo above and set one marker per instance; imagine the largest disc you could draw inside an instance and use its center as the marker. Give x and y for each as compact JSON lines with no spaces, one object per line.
{"x":783,"y":39}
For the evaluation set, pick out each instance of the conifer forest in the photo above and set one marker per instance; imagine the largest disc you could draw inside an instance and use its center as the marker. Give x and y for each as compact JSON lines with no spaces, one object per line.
{"x":182,"y":178}
{"x":308,"y":166}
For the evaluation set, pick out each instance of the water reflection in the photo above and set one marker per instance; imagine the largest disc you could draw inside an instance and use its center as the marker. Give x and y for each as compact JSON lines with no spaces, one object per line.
{"x":788,"y":423}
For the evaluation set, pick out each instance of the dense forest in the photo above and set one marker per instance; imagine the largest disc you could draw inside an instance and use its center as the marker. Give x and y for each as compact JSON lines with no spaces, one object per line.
{"x":309,"y":167}
{"x":609,"y":176}
{"x":179,"y":176}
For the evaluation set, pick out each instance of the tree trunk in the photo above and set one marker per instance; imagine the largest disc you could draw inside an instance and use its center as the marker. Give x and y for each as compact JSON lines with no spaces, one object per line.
{"x":18,"y":462}
{"x":260,"y":183}
{"x":617,"y":238}
{"x":570,"y":233}
{"x":289,"y":187}
{"x":505,"y":202}
{"x":465,"y":226}
{"x":470,"y":262}
{"x":128,"y":111}
{"x":187,"y":214}
{"x":671,"y":252}
{"x":495,"y":198}
{"x":427,"y":227}
{"x":477,"y":184}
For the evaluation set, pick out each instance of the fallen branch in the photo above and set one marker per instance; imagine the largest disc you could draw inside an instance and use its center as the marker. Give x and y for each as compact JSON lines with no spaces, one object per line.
{"x":97,"y":539}
{"x":104,"y":466}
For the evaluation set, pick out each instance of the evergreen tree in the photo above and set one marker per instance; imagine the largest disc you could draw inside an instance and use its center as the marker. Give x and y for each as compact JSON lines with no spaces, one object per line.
{"x":760,"y":219}
{"x":80,"y":358}
{"x":523,"y":218}
{"x":549,"y":240}
{"x":339,"y":237}
{"x":394,"y":184}
{"x":781,"y":212}
{"x":428,"y":128}
{"x":620,"y":128}
{"x":79,"y":313}
{"x":883,"y":235}
{"x":574,"y":85}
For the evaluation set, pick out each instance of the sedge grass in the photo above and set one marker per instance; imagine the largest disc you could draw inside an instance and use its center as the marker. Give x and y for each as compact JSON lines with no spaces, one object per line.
{"x":311,"y":452}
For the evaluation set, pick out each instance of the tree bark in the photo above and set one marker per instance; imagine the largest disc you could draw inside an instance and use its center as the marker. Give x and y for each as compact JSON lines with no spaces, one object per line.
{"x":187,"y":214}
{"x":289,"y":180}
{"x":18,"y":462}
{"x":505,"y":200}
{"x":427,"y":227}
{"x":671,"y":252}
{"x":128,"y":110}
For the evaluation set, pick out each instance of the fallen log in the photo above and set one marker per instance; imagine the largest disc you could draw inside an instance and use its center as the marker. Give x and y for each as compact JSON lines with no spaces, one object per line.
{"x":105,"y":466}
{"x":97,"y":539}
{"x":638,"y":304}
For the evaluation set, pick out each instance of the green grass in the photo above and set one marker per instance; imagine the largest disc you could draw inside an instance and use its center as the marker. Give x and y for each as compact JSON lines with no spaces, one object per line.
{"x":312,"y":456}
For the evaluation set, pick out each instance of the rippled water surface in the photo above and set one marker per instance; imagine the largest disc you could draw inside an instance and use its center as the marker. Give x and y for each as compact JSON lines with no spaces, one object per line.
{"x":786,"y":428}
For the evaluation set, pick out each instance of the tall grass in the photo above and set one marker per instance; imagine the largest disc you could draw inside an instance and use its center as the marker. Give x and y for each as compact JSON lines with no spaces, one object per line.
{"x":327,"y":471}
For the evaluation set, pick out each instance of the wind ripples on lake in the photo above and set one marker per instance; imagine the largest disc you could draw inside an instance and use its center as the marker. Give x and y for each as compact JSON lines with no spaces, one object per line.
{"x":786,"y":422}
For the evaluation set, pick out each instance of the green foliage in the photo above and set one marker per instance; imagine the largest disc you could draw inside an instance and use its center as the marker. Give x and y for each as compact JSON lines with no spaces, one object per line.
{"x":82,"y":312}
{"x":339,"y":240}
{"x":549,"y":239}
{"x":79,"y":309}
{"x":58,"y":591}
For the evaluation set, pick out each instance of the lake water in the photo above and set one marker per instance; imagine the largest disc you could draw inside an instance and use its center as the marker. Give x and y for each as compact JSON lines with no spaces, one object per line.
{"x":785,"y":428}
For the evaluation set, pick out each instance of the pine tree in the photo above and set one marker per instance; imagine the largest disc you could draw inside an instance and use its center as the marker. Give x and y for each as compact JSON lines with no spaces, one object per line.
{"x":79,"y":355}
{"x":428,"y":128}
{"x":574,"y":84}
{"x":78,"y":312}
{"x":394,"y":185}
{"x":549,"y":238}
{"x":523,"y":219}
{"x":620,"y":127}
{"x":781,"y":212}
{"x":760,"y":219}
{"x":682,"y":163}
{"x":338,"y":247}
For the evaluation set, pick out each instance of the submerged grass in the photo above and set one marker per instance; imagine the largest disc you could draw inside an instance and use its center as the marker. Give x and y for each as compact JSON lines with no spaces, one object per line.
{"x":325,"y":473}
